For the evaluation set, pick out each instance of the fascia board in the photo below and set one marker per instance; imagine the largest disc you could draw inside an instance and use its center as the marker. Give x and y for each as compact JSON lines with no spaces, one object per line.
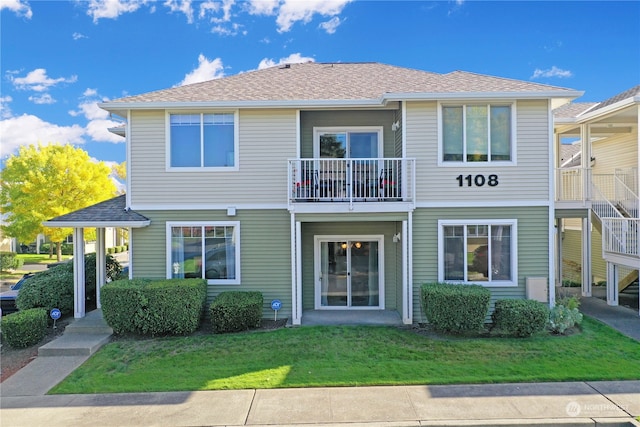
{"x":96,"y":224}
{"x":590,"y":115}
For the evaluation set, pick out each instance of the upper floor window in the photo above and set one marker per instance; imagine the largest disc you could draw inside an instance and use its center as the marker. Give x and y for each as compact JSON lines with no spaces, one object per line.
{"x":202,"y":140}
{"x":477,"y":133}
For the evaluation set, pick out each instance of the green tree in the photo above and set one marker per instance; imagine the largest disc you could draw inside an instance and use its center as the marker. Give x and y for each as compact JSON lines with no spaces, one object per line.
{"x":45,"y":181}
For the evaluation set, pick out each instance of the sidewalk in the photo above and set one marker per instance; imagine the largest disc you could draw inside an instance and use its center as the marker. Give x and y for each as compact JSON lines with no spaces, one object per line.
{"x":608,"y":403}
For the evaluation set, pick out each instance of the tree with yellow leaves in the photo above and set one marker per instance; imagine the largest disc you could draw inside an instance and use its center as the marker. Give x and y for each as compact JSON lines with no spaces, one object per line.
{"x":45,"y":181}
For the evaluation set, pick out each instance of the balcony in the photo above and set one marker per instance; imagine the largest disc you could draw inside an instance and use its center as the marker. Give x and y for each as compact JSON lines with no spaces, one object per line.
{"x":351,"y":182}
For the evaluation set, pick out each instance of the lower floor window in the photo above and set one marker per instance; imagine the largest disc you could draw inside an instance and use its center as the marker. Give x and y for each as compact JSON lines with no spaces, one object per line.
{"x":209,"y":251}
{"x":478,"y":252}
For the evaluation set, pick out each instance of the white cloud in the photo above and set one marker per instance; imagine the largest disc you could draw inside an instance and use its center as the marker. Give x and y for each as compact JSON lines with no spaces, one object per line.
{"x":331,"y":25}
{"x":206,"y":70}
{"x":263,"y":7}
{"x":551,"y":72}
{"x":183,"y":6}
{"x":38,"y":81}
{"x":5,"y":110}
{"x":98,"y":130}
{"x":45,"y":98}
{"x":230,"y":30}
{"x":20,"y":8}
{"x":28,"y":129}
{"x":294,"y":58}
{"x":292,"y":11}
{"x":78,"y":36}
{"x":98,"y":9}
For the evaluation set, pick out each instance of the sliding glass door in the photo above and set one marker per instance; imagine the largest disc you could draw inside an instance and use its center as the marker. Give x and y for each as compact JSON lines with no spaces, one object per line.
{"x":348,"y":273}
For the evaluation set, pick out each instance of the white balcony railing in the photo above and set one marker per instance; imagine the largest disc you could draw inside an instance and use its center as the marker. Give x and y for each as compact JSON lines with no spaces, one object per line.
{"x":620,"y":236}
{"x":351,"y":180}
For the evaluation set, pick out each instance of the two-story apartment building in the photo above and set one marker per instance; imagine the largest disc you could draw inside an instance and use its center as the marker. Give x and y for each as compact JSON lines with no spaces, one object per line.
{"x":344,"y":186}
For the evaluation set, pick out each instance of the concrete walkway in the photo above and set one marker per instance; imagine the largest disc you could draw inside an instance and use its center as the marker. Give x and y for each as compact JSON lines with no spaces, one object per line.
{"x":24,"y":401}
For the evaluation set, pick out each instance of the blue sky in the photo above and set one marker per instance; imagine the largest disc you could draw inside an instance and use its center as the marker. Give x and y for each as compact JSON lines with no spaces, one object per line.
{"x":59,"y":58}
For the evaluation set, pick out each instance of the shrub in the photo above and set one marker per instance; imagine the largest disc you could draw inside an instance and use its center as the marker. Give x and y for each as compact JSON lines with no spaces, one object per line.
{"x":111,"y":250}
{"x":122,"y":301}
{"x":24,"y":328}
{"x":520,"y":318}
{"x":66,"y":248}
{"x":562,"y":318}
{"x":236,"y":311}
{"x":455,"y":308}
{"x":53,"y":288}
{"x":9,"y":261}
{"x":154,"y":307}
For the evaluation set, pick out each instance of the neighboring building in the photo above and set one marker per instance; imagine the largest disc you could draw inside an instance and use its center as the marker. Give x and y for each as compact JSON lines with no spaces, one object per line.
{"x":597,"y":201}
{"x":341,"y":186}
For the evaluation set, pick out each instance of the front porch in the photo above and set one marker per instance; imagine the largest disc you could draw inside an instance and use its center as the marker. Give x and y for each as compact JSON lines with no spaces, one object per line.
{"x":346,"y":317}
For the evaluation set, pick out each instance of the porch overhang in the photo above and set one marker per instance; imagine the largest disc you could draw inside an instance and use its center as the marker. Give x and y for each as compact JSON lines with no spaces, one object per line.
{"x":109,"y":213}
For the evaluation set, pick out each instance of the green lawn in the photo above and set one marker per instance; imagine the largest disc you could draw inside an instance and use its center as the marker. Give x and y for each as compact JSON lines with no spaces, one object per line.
{"x":350,"y":356}
{"x":26,"y":260}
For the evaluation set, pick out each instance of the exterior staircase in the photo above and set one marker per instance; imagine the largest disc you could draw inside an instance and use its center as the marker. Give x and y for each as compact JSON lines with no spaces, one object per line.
{"x":615,"y":206}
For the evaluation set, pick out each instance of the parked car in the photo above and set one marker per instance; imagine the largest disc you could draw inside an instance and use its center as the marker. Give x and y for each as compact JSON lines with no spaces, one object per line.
{"x":8,"y":298}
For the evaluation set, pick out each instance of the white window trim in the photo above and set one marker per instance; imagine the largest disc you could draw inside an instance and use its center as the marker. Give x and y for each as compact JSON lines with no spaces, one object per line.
{"x":236,"y":232}
{"x":488,"y":163}
{"x":317,"y":131}
{"x":236,"y":137}
{"x":464,"y":222}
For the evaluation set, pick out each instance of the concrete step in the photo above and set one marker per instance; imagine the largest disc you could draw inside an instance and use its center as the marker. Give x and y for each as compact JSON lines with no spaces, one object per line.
{"x":76,"y":344}
{"x":92,"y":323}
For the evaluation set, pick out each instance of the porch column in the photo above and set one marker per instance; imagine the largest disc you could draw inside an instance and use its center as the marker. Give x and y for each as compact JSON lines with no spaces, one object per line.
{"x":78,"y":273}
{"x":612,"y":283}
{"x":585,"y":160}
{"x":586,"y":255}
{"x":296,"y":272}
{"x":559,"y":252}
{"x":407,"y":300}
{"x":101,"y":263}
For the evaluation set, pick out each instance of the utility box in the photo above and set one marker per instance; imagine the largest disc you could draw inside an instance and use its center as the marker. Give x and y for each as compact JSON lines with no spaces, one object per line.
{"x":537,"y":289}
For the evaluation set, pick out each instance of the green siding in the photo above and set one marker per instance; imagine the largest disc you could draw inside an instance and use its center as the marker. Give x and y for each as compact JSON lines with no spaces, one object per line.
{"x":533,"y":246}
{"x":265,"y":259}
{"x":311,"y":119}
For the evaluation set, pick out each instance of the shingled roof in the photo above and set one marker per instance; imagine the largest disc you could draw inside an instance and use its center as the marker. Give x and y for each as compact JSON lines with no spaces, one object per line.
{"x":110,"y":213}
{"x":337,"y":82}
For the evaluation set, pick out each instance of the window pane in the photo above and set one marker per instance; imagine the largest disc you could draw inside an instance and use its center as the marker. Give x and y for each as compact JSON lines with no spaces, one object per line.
{"x":454,"y":253}
{"x":477,"y":253}
{"x":452,"y":133}
{"x":500,"y":133}
{"x":218,"y":140}
{"x":501,"y":252}
{"x":186,"y":252}
{"x":185,"y":140}
{"x":220,"y":258}
{"x":477,"y":128}
{"x":363,"y":145}
{"x":333,"y":145}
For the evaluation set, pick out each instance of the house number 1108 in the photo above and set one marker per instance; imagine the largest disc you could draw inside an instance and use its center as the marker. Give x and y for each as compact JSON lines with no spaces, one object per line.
{"x":478,"y":180}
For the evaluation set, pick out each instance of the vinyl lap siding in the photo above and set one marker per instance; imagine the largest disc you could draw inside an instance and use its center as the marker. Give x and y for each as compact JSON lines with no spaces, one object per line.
{"x":617,"y":152}
{"x":533,"y":246}
{"x":264,"y":258}
{"x":266,"y":139}
{"x":527,"y":181}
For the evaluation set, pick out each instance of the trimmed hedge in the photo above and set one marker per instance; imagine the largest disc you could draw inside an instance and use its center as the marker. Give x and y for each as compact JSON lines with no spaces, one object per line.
{"x":24,"y":328}
{"x":235,"y":311}
{"x":9,"y":261}
{"x":520,"y":318}
{"x":53,"y":288}
{"x":455,"y":308}
{"x":154,"y":307}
